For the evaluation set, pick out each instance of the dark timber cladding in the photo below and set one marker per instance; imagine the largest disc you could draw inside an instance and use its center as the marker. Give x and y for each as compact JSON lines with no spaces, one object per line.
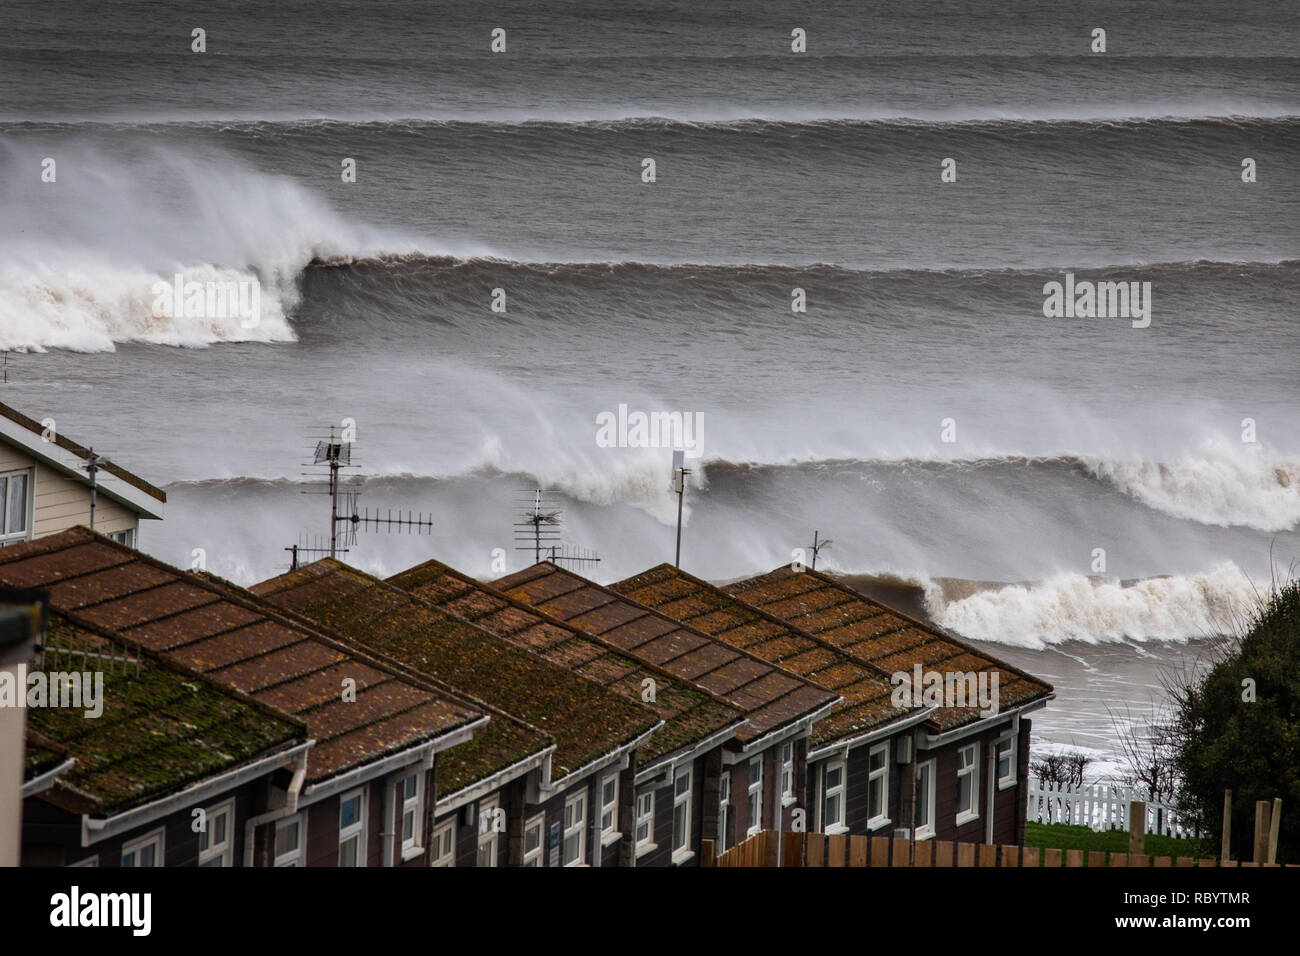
{"x":161,"y":730}
{"x":865,"y":688}
{"x":771,"y":697}
{"x":689,"y":715}
{"x":871,"y":633}
{"x":239,"y":643}
{"x":586,"y":721}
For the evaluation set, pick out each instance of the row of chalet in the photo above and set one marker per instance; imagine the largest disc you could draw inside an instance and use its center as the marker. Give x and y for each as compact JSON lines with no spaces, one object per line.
{"x":326,"y":717}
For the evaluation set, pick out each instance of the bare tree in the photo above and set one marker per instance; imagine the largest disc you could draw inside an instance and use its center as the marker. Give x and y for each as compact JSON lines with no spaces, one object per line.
{"x":1064,"y":770}
{"x":1147,"y":754}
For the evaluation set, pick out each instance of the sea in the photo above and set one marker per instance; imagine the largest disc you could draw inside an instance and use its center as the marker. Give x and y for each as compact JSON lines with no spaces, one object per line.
{"x":821,"y":232}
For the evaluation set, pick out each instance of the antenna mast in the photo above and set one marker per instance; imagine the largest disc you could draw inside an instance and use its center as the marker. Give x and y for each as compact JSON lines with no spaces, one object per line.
{"x":817,"y":546}
{"x":538,"y":531}
{"x":680,"y":471}
{"x":92,"y":469}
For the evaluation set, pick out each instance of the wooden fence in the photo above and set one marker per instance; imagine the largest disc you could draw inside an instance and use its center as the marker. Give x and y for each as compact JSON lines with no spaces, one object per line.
{"x":1102,"y":806}
{"x":771,"y":848}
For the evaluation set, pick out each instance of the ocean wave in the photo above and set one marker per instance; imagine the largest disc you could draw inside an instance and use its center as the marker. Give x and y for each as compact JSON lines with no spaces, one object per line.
{"x":1075,"y":607}
{"x":1220,"y":485}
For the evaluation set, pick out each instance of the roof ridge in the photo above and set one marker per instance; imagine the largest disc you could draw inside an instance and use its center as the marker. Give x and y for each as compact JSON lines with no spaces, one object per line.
{"x":649,"y":610}
{"x":575,"y":631}
{"x":876,"y":669}
{"x":921,"y":625}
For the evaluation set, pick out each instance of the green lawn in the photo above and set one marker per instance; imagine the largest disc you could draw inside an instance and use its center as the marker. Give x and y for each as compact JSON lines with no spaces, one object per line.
{"x":1063,"y":837}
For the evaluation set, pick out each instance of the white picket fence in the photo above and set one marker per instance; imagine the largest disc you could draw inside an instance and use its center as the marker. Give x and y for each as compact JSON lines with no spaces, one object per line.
{"x":1102,"y":806}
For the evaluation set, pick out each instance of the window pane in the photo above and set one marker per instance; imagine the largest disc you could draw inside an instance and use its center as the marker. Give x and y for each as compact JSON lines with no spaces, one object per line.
{"x":408,"y":825}
{"x":878,"y":760}
{"x":408,"y":788}
{"x":571,"y":848}
{"x":683,"y":784}
{"x":875,"y":798}
{"x":349,"y":811}
{"x":348,"y":852}
{"x":833,"y":808}
{"x":286,"y":839}
{"x":532,"y":838}
{"x":17,"y":511}
{"x":607,"y":792}
{"x":146,"y":855}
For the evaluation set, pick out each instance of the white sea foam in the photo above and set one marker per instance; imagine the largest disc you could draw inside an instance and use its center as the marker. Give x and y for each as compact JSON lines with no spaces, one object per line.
{"x":1220,"y":485}
{"x":79,"y":256}
{"x":1074,"y":607}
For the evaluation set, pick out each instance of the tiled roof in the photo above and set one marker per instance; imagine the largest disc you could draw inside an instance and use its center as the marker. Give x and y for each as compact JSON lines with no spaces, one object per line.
{"x":865,"y":689}
{"x":161,"y":729}
{"x":240,"y":643}
{"x":689,"y":714}
{"x":772,"y":698}
{"x":586,"y":721}
{"x":871,"y":633}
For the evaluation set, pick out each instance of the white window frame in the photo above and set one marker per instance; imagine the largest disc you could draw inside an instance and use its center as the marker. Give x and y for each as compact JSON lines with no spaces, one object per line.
{"x":574,"y":825}
{"x":88,"y":861}
{"x":683,"y":803}
{"x":1009,"y":741}
{"x":298,"y":855}
{"x":126,"y":537}
{"x":972,"y":771}
{"x":14,"y":537}
{"x":645,"y":816}
{"x":787,"y":773}
{"x":880,"y":774}
{"x":839,"y":790}
{"x":754,"y":797}
{"x":443,"y":850}
{"x":414,"y":805}
{"x":724,"y":808}
{"x":354,"y":830}
{"x":537,"y":855}
{"x":223,"y":852}
{"x":925,"y":769}
{"x":609,"y":832}
{"x":155,"y":839}
{"x":487,"y":832}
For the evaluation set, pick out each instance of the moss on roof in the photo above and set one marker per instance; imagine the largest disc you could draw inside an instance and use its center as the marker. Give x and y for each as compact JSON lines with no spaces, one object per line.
{"x":160,"y":731}
{"x":690,"y":714}
{"x":585,"y":721}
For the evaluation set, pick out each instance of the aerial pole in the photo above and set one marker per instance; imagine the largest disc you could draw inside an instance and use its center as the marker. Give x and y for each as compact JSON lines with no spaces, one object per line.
{"x":679,"y":485}
{"x":92,"y":469}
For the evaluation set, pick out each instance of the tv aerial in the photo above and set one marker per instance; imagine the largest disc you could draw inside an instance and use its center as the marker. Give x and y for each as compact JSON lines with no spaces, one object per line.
{"x":538,"y":531}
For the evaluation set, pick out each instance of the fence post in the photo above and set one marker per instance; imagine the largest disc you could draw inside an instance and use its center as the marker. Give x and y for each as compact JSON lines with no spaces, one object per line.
{"x":1137,"y":827}
{"x":1273,"y":828}
{"x":1261,"y":831}
{"x":1225,"y":852}
{"x":706,"y":853}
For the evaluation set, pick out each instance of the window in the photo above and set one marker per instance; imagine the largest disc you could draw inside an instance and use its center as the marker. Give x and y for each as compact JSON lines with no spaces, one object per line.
{"x":755,"y":796}
{"x":489,"y":825}
{"x":534,"y":842}
{"x":352,"y":829}
{"x":645,"y":821}
{"x":290,"y":842}
{"x":878,"y":786}
{"x":411,"y":791}
{"x":443,"y":851}
{"x":122,"y":537}
{"x":682,"y":814}
{"x":146,"y":851}
{"x":14,"y":503}
{"x":214,"y":841}
{"x":968,"y":783}
{"x":724,"y":808}
{"x":924,"y":811}
{"x":787,"y":772}
{"x":833,"y":797}
{"x":1006,"y":752}
{"x":609,"y":810}
{"x":575,"y":830}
